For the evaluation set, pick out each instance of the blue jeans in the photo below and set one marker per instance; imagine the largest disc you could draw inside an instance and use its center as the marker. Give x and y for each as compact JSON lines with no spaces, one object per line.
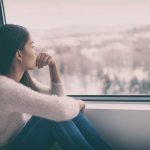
{"x":76,"y":134}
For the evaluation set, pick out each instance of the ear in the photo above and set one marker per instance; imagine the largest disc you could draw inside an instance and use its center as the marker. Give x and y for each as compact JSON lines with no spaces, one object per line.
{"x":19,"y":55}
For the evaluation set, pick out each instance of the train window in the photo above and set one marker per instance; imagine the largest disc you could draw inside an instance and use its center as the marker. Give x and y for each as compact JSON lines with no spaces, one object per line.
{"x":101,"y":46}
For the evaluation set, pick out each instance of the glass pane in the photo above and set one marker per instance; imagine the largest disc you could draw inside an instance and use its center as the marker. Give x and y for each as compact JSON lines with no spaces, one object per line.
{"x":101,"y":46}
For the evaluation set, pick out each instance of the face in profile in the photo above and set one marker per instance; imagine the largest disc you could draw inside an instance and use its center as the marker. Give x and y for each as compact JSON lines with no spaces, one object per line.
{"x":29,"y":55}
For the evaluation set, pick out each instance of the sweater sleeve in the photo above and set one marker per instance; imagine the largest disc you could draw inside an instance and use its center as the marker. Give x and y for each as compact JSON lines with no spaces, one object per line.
{"x":54,"y":89}
{"x":19,"y":98}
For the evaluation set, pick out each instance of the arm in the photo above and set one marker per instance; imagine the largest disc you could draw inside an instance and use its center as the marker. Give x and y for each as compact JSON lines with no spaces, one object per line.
{"x":57,"y":85}
{"x":19,"y":98}
{"x":55,"y":88}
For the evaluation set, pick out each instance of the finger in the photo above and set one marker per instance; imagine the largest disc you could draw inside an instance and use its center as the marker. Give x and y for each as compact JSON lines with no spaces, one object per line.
{"x":41,"y":59}
{"x":46,"y":60}
{"x":37,"y":59}
{"x":50,"y":61}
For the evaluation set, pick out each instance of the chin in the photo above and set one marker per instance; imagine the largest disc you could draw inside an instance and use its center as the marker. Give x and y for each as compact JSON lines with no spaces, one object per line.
{"x":32,"y":68}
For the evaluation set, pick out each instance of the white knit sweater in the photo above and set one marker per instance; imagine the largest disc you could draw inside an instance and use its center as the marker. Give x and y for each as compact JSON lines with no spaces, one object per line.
{"x":18,"y":103}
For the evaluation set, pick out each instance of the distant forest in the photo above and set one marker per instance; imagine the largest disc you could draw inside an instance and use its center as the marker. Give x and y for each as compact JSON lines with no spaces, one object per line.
{"x":100,"y":63}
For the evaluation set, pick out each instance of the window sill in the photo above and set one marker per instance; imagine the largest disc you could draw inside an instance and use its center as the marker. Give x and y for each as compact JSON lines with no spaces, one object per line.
{"x":118,"y":105}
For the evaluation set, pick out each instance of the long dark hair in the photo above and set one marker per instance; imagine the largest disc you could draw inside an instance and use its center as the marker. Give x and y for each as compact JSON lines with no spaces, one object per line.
{"x":12,"y":38}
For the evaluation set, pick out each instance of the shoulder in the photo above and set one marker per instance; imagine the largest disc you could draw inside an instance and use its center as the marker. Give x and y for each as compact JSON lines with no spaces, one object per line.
{"x":5,"y":80}
{"x":7,"y":84}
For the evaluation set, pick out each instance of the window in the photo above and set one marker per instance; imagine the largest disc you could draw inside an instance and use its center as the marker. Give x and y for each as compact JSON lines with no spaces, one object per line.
{"x":2,"y":15}
{"x":101,"y":46}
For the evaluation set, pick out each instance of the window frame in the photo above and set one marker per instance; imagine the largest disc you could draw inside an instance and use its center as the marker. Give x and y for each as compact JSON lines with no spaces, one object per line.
{"x":98,"y":98}
{"x":113,"y":98}
{"x":2,"y":14}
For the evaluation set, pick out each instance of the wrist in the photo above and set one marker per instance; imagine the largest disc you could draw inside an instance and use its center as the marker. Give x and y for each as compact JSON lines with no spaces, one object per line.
{"x":53,"y":65}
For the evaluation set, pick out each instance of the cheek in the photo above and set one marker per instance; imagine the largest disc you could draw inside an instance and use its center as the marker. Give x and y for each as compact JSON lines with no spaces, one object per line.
{"x":31,"y":56}
{"x":30,"y":59}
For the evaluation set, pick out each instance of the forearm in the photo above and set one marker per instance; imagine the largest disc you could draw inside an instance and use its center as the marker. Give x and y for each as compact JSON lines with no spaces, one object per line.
{"x":54,"y":73}
{"x":19,"y":98}
{"x":57,"y":86}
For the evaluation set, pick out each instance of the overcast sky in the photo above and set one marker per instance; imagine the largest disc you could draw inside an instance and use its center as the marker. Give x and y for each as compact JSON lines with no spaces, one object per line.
{"x":62,"y":13}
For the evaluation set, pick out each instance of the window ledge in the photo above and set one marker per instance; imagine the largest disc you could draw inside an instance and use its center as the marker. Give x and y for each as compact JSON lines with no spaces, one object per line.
{"x":118,"y":105}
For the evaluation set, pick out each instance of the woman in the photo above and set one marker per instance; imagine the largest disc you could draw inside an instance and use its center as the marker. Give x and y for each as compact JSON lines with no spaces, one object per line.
{"x":31,"y":115}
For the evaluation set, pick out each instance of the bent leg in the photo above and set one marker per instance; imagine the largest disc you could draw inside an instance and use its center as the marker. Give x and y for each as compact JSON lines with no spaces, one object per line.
{"x":40,"y":133}
{"x":89,"y":132}
{"x":35,"y":136}
{"x":69,"y":136}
